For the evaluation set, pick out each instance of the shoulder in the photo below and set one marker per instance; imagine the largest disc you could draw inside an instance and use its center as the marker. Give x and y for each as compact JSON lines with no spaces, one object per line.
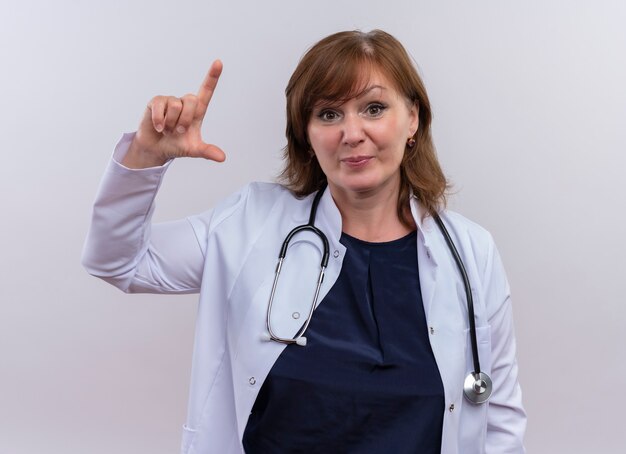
{"x":252,"y":202}
{"x":482,"y":261}
{"x":258,"y":198}
{"x":467,"y":231}
{"x":475,"y":243}
{"x":266,"y":194}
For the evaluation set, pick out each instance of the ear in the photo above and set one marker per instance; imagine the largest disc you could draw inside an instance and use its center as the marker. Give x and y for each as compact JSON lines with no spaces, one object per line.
{"x":414,"y":119}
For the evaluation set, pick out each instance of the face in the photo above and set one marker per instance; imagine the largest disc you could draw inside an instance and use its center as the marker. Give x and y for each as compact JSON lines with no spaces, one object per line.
{"x":360,"y":143}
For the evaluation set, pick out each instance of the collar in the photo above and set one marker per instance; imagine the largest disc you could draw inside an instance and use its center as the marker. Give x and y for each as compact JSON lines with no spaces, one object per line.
{"x":329,"y":219}
{"x":423,"y":220}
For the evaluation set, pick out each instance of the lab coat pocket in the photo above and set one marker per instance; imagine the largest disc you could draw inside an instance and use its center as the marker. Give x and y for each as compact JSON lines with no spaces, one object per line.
{"x":188,"y":436}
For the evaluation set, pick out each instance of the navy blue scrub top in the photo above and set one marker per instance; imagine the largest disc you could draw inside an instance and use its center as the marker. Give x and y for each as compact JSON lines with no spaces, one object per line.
{"x":367,"y":381}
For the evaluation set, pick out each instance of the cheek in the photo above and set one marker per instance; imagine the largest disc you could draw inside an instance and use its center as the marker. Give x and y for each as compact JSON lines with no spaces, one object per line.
{"x":390,"y":134}
{"x":323,"y":139}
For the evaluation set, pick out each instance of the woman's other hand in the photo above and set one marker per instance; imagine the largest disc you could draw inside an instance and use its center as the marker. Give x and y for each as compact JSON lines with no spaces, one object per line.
{"x":171,"y":128}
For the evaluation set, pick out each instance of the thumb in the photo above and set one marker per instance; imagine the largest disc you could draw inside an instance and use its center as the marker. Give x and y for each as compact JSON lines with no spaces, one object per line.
{"x":210,"y":152}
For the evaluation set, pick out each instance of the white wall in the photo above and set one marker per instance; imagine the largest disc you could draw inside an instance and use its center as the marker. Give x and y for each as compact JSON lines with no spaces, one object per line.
{"x":529,"y":106}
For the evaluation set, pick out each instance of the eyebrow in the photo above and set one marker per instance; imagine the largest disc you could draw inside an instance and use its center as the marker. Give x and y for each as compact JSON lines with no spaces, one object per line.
{"x":368,"y":89}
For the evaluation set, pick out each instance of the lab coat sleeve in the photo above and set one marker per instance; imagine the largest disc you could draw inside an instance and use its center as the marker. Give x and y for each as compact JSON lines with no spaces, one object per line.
{"x":125,"y":249}
{"x":506,"y":422}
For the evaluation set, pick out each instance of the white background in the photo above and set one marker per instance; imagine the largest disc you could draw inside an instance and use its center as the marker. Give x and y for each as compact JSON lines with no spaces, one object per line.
{"x":529,"y":104}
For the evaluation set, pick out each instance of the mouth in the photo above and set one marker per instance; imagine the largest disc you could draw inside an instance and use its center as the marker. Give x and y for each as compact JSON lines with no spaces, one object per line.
{"x":356,"y":161}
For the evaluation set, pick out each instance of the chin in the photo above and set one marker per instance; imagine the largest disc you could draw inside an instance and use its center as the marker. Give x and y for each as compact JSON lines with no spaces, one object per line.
{"x":360,"y":187}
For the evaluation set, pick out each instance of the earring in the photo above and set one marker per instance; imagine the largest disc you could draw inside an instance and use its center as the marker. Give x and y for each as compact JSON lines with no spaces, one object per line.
{"x":410,"y":142}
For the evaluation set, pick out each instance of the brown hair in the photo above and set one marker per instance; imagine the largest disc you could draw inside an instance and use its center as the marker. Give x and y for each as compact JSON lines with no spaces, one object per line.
{"x":333,"y":69}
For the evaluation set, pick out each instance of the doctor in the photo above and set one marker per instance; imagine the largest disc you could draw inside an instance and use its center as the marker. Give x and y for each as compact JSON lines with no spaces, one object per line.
{"x":388,"y":347}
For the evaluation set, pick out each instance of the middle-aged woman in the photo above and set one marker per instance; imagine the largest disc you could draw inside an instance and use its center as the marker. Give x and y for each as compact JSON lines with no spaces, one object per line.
{"x":382,"y":366}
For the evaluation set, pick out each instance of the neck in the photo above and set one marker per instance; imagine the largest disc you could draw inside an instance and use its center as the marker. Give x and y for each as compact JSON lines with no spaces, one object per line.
{"x":371,"y":216}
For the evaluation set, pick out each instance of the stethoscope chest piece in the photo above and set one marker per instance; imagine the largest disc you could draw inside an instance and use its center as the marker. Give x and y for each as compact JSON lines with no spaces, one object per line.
{"x":477,"y":387}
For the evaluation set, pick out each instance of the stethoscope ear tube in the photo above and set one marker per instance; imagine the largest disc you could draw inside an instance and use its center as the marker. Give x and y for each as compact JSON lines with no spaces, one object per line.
{"x":478,"y":386}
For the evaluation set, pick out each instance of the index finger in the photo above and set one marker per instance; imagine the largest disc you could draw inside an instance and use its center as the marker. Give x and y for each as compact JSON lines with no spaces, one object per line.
{"x":208,"y":86}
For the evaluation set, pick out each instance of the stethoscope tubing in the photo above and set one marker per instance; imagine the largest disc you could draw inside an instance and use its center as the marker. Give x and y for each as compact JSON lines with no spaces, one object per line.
{"x":468,"y":291}
{"x":298,"y":338}
{"x":477,"y":386}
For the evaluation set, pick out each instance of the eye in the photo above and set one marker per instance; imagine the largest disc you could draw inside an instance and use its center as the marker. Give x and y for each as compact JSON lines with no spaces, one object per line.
{"x":327,"y":115}
{"x":375,"y":109}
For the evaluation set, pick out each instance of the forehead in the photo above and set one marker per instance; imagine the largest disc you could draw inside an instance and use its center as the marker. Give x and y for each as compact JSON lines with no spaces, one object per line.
{"x":357,"y":83}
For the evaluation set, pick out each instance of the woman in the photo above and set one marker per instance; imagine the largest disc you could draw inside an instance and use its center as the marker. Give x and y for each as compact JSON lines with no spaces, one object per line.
{"x":382,"y":364}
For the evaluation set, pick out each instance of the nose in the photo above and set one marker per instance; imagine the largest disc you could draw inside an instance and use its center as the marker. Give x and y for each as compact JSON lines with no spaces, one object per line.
{"x":353,"y":132}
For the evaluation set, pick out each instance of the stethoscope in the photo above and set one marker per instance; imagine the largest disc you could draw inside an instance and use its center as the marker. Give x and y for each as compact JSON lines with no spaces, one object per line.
{"x":477,"y":387}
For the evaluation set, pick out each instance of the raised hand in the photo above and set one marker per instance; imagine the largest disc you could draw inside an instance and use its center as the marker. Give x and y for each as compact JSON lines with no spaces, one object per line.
{"x":171,"y":127}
